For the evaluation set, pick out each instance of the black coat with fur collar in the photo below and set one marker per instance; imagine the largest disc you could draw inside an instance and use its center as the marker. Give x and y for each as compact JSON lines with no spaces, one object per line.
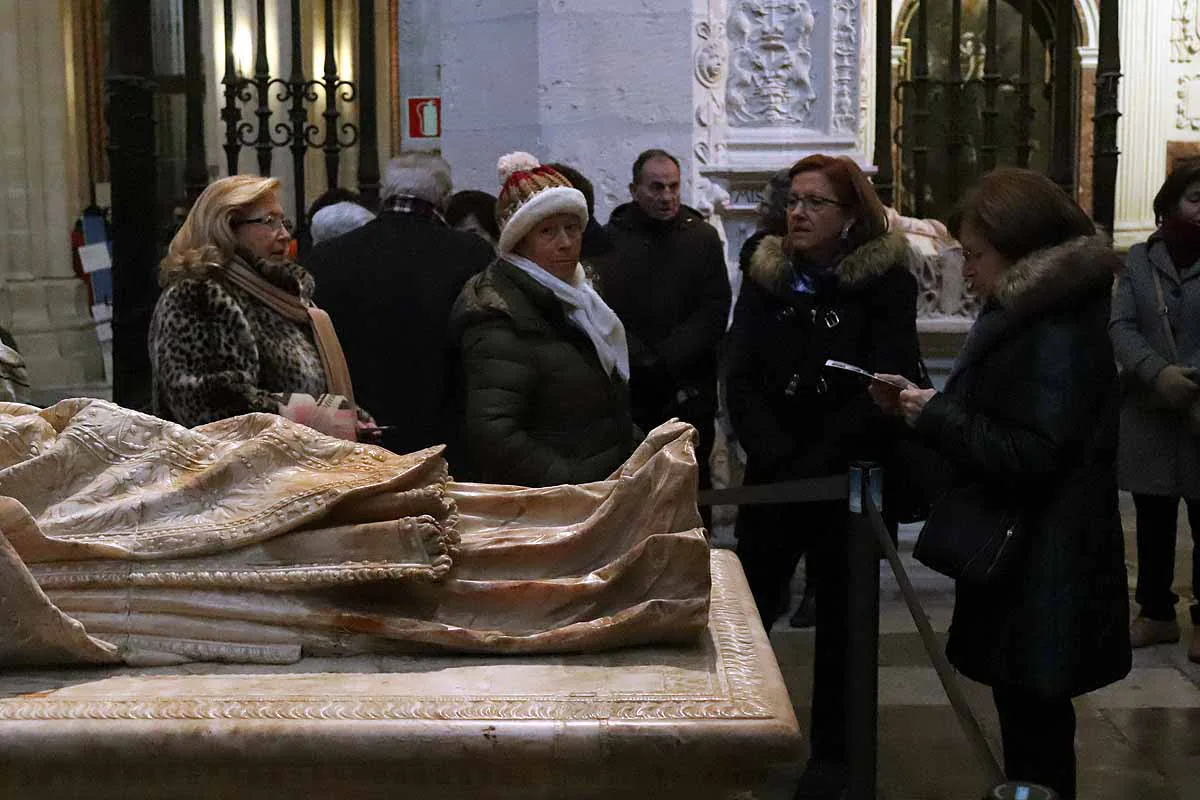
{"x":794,"y":417}
{"x":1030,"y":412}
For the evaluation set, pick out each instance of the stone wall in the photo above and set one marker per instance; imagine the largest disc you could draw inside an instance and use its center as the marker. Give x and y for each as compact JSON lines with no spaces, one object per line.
{"x":42,"y":302}
{"x":588,"y":82}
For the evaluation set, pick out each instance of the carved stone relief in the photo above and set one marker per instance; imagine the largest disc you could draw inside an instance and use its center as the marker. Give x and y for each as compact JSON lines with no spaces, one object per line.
{"x":845,"y":65}
{"x":1185,"y":36}
{"x":1187,"y":111}
{"x":710,"y":69}
{"x":711,"y":198}
{"x":770,"y":62}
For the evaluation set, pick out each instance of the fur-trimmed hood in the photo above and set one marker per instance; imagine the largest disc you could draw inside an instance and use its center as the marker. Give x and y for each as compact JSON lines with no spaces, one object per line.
{"x":1053,"y":275}
{"x":1069,"y":274}
{"x":771,"y":268}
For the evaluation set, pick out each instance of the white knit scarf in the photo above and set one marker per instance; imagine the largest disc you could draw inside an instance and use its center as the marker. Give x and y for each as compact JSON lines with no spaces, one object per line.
{"x":587,"y":310}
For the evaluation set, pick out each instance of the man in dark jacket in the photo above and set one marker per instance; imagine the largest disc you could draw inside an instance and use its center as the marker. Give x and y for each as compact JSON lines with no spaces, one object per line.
{"x":389,"y":287}
{"x":666,"y":279}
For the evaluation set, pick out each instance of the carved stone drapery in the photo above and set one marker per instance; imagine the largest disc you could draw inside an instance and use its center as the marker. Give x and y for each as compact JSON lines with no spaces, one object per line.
{"x":771,"y":55}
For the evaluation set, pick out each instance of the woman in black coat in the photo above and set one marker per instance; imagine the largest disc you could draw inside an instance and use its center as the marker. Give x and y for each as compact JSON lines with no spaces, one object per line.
{"x":544,"y":360}
{"x":836,"y":287}
{"x":1028,"y":420}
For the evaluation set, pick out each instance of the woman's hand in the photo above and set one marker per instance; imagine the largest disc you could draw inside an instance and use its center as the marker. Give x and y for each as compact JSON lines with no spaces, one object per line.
{"x":328,"y":414}
{"x":885,"y":391}
{"x":912,"y":403}
{"x":369,"y":431}
{"x":1176,"y":384}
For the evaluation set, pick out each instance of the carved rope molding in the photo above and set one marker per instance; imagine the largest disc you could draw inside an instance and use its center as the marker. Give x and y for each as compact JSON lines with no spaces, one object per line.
{"x":770,"y":63}
{"x":739,"y":692}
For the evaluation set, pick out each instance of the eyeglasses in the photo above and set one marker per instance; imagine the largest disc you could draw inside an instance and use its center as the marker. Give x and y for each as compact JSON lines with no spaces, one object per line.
{"x":810,"y":201}
{"x":273,"y":222}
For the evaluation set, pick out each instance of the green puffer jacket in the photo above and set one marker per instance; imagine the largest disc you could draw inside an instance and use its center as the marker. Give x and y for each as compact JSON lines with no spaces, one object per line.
{"x":539,"y":409}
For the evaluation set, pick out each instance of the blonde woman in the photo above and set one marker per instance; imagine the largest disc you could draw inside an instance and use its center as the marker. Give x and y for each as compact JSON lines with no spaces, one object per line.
{"x":234,"y":330}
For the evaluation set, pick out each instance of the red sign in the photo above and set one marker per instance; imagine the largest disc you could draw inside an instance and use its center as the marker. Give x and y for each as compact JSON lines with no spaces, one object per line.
{"x":424,"y":117}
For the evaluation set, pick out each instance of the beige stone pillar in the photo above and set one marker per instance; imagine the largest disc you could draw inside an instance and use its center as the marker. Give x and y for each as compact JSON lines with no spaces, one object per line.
{"x":42,"y":302}
{"x":1145,"y":104}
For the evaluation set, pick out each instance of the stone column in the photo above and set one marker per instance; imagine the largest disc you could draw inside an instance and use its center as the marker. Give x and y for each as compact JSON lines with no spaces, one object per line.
{"x":42,"y":302}
{"x":1145,"y":104}
{"x":1087,"y":127}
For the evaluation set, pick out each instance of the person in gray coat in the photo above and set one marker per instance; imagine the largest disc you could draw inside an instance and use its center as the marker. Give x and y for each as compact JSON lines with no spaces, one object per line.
{"x":1159,"y":455}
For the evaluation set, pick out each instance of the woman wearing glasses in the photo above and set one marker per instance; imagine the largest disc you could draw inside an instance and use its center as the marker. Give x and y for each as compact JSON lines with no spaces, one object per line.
{"x":232,"y":332}
{"x":1027,"y":424}
{"x":836,"y":286}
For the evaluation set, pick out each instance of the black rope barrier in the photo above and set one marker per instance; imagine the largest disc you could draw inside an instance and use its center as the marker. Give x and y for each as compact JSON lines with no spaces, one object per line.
{"x":869,"y":539}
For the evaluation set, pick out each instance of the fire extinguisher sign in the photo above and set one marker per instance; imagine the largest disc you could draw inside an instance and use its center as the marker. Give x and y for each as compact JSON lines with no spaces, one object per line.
{"x":424,"y":117}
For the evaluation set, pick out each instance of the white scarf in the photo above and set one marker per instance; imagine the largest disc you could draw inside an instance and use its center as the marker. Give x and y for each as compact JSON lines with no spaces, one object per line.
{"x":587,"y":310}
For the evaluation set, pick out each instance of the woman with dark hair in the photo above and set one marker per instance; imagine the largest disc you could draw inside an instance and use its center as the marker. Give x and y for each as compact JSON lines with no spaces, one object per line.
{"x":1027,"y":424}
{"x":474,"y":211}
{"x":836,"y":286}
{"x":1155,"y":329}
{"x":772,"y":216}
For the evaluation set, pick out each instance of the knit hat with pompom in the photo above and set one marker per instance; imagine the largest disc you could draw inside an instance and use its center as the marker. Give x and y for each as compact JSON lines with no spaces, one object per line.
{"x":529,"y":193}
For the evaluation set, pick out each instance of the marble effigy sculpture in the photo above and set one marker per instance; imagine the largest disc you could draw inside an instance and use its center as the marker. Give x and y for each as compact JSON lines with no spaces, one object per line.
{"x":128,"y":539}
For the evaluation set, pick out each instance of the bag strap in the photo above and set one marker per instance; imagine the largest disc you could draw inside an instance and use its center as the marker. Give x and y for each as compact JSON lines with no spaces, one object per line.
{"x":1161,"y":306}
{"x":958,"y":699}
{"x":292,"y":307}
{"x":329,"y":347}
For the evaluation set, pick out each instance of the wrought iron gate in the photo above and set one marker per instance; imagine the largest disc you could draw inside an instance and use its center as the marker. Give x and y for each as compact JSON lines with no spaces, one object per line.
{"x":249,"y":122}
{"x":989,"y":83}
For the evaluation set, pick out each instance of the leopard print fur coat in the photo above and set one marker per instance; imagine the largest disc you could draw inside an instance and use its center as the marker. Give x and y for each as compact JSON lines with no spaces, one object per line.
{"x":217,"y":352}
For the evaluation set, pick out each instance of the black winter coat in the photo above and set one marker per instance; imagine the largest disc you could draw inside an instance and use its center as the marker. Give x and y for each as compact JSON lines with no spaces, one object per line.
{"x":1030,"y":412}
{"x":389,"y":287}
{"x":540,"y":410}
{"x":668,"y":283}
{"x":793,"y":416}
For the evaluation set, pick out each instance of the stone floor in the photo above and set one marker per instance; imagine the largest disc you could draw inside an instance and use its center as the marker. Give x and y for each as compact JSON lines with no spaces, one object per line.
{"x":1137,"y":740}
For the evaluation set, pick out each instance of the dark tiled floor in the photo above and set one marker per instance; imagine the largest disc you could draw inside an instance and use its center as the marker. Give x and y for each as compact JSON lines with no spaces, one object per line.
{"x":1137,"y":740}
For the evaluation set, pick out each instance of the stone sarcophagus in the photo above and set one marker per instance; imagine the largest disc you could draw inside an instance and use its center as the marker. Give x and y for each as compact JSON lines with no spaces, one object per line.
{"x":249,"y":608}
{"x":704,"y":720}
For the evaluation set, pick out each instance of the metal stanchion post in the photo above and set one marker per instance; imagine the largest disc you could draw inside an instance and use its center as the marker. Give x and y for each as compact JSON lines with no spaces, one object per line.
{"x":862,"y":648}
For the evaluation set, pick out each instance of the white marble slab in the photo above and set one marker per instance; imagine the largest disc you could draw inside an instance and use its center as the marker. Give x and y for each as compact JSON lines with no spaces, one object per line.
{"x":702,"y":721}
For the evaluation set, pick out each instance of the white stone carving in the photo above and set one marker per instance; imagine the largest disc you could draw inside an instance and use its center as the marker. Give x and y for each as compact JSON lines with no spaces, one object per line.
{"x":1187,"y":111}
{"x":710,"y":61}
{"x":845,"y":66}
{"x":974,"y":56}
{"x":1185,"y":36}
{"x":711,"y":198}
{"x":730,"y":679}
{"x":770,"y":63}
